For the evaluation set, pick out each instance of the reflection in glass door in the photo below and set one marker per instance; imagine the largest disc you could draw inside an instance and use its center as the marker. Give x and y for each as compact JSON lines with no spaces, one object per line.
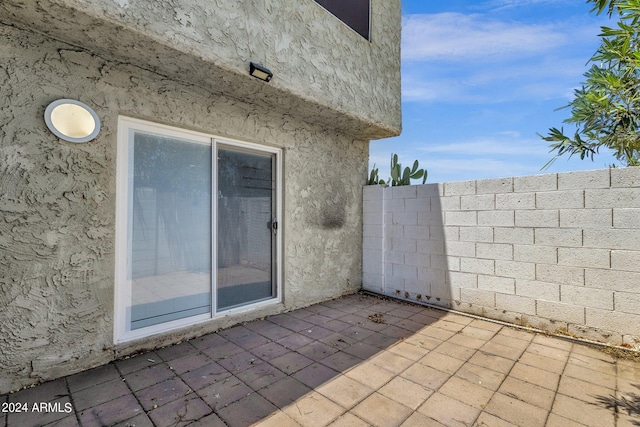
{"x":195,"y":227}
{"x":246,"y":226}
{"x":170,"y":229}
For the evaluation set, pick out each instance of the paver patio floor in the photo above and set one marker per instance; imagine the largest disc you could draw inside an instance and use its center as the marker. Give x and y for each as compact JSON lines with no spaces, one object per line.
{"x":354,"y":361}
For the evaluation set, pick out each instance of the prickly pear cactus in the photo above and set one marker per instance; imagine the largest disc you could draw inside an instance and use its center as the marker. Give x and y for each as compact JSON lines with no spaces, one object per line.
{"x":407,"y":174}
{"x":398,"y":175}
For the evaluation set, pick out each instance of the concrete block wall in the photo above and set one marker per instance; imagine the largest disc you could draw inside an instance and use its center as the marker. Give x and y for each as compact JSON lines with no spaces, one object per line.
{"x":560,"y":252}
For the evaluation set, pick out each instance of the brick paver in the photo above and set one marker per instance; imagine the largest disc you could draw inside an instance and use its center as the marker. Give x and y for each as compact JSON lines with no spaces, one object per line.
{"x":354,"y":361}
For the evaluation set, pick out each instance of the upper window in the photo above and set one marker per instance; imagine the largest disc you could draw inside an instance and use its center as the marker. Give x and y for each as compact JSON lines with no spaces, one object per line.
{"x":354,"y":13}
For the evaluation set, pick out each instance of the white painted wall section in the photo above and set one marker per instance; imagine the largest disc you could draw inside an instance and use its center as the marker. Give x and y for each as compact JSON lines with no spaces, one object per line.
{"x":560,"y":252}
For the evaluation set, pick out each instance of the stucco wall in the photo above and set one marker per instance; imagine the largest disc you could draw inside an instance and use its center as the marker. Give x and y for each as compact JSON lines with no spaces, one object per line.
{"x":57,"y":201}
{"x":560,"y":252}
{"x":322,"y":68}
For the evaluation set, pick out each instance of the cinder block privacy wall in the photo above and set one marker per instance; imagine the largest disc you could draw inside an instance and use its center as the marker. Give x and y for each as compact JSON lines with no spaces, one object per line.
{"x":560,"y":252}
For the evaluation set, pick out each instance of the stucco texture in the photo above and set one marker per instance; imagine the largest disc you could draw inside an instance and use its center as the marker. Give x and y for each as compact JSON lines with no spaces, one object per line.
{"x":57,"y":200}
{"x":323,"y":69}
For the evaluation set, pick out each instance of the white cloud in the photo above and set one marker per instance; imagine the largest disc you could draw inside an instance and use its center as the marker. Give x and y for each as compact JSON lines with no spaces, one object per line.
{"x":433,"y":87}
{"x":508,"y":4}
{"x":456,"y":168}
{"x":503,"y":154}
{"x":483,"y":77}
{"x":455,"y":36}
{"x":506,"y":144}
{"x":448,"y":169}
{"x":474,"y":59}
{"x":490,"y":85}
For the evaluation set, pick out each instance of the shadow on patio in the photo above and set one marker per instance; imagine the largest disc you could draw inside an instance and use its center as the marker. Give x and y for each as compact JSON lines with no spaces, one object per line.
{"x":357,"y":360}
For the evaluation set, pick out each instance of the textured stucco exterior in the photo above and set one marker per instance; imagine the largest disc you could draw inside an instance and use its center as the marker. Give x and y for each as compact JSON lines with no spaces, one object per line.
{"x":560,"y":252}
{"x":322,"y":69}
{"x":58,"y":200}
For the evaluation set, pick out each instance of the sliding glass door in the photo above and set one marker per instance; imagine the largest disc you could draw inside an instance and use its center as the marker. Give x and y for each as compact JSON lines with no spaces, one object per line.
{"x":196,"y":227}
{"x":246,"y":226}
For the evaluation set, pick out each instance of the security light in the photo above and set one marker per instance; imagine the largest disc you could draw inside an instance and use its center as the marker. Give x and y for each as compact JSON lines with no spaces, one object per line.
{"x":72,"y":120}
{"x":260,"y":72}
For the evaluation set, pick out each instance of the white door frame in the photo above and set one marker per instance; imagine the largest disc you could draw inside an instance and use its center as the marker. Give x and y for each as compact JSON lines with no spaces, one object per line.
{"x":124,"y":172}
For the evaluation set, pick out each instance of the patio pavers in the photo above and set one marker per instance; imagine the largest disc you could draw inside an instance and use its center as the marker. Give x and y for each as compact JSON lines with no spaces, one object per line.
{"x":354,"y":361}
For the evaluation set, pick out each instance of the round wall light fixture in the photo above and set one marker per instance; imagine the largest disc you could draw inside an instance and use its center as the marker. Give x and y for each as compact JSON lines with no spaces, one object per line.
{"x":72,"y":120}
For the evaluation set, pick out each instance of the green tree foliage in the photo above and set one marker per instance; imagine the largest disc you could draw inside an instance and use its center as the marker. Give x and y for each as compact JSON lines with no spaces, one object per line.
{"x":606,"y":109}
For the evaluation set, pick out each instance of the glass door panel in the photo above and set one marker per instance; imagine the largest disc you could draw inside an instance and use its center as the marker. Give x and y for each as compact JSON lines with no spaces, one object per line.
{"x":169,"y":229}
{"x":245,"y":227}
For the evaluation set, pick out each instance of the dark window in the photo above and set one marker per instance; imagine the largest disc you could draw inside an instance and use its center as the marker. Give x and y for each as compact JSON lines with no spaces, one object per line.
{"x":354,"y":13}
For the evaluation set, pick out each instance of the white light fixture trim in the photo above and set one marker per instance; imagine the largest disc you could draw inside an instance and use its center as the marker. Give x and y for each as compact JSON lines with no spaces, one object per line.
{"x":72,"y":121}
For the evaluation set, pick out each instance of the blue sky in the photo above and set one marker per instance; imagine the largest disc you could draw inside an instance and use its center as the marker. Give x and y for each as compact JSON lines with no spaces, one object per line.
{"x":480,"y":78}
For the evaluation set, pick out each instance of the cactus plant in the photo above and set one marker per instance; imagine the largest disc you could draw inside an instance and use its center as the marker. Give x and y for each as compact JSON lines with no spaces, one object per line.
{"x":407,"y":174}
{"x":396,"y":177}
{"x":373,"y":178}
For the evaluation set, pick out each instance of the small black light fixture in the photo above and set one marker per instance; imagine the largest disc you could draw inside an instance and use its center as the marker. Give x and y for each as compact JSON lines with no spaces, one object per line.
{"x":260,"y":72}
